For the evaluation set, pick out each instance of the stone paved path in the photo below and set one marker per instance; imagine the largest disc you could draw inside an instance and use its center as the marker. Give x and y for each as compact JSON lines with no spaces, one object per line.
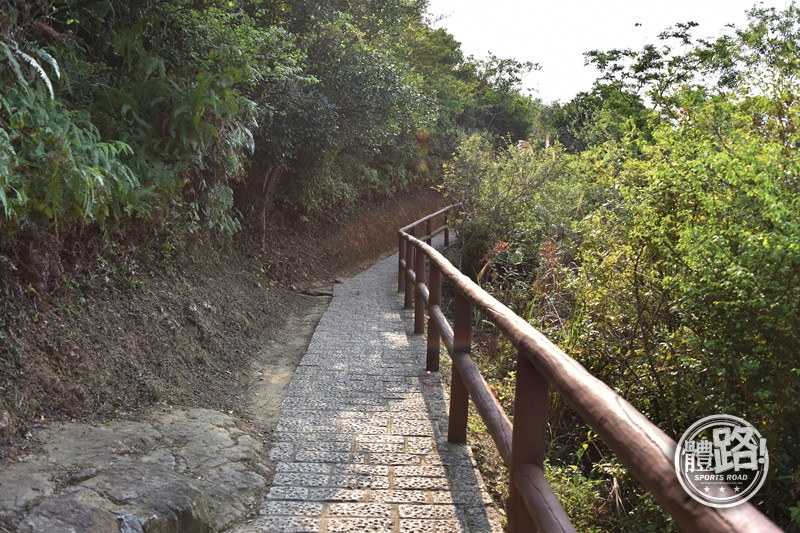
{"x":361,"y":445}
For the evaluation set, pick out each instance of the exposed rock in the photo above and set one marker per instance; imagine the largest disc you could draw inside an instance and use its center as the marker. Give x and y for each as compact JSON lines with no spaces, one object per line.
{"x":66,"y":514}
{"x":194,"y":316}
{"x":129,"y":523}
{"x":181,"y":470}
{"x":5,"y":422}
{"x":24,"y":484}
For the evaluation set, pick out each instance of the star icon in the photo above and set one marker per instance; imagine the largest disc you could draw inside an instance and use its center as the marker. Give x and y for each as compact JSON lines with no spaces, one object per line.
{"x":707,"y":489}
{"x":722,"y":489}
{"x":736,"y":489}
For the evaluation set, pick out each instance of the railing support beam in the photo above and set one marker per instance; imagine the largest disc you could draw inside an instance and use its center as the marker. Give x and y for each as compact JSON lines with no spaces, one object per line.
{"x":459,"y":396}
{"x":428,"y":228}
{"x":446,"y":231}
{"x":419,"y":300}
{"x":528,"y":438}
{"x":408,"y":297}
{"x":434,"y":332}
{"x":401,"y":264}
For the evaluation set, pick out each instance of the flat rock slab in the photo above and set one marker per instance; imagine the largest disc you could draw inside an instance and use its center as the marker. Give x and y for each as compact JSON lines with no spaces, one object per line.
{"x":361,"y":444}
{"x":179,"y":470}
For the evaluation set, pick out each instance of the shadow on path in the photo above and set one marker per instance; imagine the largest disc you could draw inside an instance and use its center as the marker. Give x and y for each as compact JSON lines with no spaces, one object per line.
{"x":361,"y":444}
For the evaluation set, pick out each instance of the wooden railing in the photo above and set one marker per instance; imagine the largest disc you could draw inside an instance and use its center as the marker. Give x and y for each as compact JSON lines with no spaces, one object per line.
{"x":646,"y":450}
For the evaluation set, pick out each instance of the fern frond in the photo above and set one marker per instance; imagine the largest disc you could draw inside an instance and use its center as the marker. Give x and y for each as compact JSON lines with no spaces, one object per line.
{"x":4,"y":203}
{"x":7,"y":157}
{"x":50,"y":60}
{"x":38,"y":68}
{"x":15,"y":65}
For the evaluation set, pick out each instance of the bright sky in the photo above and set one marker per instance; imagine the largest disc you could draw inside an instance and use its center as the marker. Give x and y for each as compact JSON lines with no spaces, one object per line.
{"x":556,"y":33}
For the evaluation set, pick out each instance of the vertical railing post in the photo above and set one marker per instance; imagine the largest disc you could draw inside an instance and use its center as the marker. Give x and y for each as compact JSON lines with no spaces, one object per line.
{"x":419,"y":301}
{"x":401,"y":257}
{"x":446,"y":231}
{"x":428,"y":229}
{"x":434,"y":298}
{"x":409,"y":287}
{"x":529,"y":436}
{"x":459,"y":396}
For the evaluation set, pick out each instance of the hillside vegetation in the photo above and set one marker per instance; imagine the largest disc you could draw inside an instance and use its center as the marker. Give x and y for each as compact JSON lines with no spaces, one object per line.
{"x":649,"y":226}
{"x":192,"y":115}
{"x":657,"y":242}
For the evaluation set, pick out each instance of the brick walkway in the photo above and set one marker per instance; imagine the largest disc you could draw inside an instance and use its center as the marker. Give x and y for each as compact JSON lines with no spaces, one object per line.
{"x":361,"y":445}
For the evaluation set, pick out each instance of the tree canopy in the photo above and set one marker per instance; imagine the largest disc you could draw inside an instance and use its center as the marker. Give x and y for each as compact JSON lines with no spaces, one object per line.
{"x":161,"y":110}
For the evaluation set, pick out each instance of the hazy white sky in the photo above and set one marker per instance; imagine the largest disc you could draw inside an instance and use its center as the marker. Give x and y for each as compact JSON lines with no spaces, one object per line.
{"x":556,"y":33}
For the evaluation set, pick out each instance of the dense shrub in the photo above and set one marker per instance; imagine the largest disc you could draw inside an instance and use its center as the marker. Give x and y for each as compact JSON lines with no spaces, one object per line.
{"x":664,"y":255}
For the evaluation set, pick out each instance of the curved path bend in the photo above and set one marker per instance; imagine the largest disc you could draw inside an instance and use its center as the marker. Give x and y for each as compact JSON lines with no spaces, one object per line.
{"x":361,"y":445}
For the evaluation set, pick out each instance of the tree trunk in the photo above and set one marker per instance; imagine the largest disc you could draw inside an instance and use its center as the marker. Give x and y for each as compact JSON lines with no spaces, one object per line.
{"x":271,"y":178}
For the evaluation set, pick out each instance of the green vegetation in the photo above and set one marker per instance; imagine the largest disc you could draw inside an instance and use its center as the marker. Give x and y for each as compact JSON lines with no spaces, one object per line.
{"x":196,"y":115}
{"x":649,"y":226}
{"x":658,"y":242}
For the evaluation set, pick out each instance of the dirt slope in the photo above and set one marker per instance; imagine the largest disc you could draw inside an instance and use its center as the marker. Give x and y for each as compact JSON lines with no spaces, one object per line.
{"x":139,"y":330}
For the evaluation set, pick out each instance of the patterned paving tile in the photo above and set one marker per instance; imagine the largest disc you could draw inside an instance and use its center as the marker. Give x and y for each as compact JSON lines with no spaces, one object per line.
{"x":361,"y":443}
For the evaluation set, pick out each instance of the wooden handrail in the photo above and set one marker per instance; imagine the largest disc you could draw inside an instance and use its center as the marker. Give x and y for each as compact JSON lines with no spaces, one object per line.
{"x":646,"y":450}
